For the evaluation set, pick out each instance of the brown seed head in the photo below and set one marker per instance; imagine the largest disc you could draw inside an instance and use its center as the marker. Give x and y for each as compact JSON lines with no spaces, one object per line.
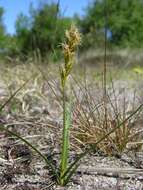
{"x":73,"y":39}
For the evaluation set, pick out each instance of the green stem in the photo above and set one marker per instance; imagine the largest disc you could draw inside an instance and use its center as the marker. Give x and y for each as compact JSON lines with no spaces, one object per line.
{"x":65,"y":137}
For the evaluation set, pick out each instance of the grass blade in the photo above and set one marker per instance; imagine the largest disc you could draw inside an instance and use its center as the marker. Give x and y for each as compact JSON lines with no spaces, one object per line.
{"x":22,"y":139}
{"x":48,"y":162}
{"x":70,"y":174}
{"x":13,"y":95}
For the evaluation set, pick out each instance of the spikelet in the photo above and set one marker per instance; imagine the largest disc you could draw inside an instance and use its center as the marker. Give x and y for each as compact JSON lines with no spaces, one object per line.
{"x":72,"y":40}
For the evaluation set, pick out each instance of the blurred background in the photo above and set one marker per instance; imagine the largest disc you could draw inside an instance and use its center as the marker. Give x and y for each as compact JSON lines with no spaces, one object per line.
{"x":36,"y":28}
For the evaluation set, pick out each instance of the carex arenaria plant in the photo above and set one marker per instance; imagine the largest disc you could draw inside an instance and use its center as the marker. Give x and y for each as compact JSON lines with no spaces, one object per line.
{"x":73,"y":39}
{"x":66,"y":170}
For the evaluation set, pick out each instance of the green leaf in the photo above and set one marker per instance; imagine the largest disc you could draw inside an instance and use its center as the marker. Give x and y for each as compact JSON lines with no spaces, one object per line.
{"x":48,"y":162}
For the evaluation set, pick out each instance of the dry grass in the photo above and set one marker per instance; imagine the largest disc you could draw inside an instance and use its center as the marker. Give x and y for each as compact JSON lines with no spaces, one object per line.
{"x":88,"y":120}
{"x":37,"y":109}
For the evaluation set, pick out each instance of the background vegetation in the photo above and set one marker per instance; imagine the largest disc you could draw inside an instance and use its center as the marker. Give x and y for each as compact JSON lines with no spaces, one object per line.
{"x":43,"y":29}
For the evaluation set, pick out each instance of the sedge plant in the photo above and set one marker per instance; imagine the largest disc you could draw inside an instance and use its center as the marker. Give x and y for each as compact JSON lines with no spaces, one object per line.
{"x":66,"y":170}
{"x":73,"y":39}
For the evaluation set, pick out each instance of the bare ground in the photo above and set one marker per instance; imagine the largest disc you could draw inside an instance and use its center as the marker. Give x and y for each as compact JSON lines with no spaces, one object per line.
{"x":40,"y":123}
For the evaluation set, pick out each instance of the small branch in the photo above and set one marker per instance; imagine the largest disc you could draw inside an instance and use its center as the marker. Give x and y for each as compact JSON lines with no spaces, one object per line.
{"x":113,"y":171}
